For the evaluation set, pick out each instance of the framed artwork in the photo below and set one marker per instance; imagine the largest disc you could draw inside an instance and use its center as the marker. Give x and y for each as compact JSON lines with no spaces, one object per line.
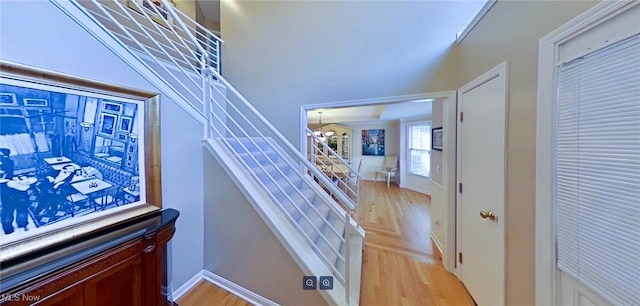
{"x":122,"y":136}
{"x":34,"y":102}
{"x":154,"y":9}
{"x":110,"y":107}
{"x":108,"y":124}
{"x":70,"y":194}
{"x":373,"y":142}
{"x":7,"y":98}
{"x":436,"y":139}
{"x":125,"y":124}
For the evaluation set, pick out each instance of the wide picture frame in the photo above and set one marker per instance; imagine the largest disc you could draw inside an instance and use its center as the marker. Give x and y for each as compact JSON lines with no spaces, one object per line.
{"x":55,"y":184}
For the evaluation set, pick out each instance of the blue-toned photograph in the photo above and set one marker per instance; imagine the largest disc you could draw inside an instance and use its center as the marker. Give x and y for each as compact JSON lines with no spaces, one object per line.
{"x":107,"y":124}
{"x":373,"y":142}
{"x":61,"y":157}
{"x":125,"y":124}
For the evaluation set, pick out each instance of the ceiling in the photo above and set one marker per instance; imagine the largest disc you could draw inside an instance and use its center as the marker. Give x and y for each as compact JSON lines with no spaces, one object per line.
{"x":378,"y":112}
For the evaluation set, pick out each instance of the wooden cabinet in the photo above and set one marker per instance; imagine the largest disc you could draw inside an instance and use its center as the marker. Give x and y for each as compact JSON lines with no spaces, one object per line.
{"x":72,"y":296}
{"x":131,"y":273}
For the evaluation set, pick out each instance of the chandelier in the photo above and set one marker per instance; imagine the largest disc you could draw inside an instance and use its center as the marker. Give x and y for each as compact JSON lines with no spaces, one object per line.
{"x":319,"y":133}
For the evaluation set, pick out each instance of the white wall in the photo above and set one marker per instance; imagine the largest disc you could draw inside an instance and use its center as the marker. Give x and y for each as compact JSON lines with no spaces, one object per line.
{"x":283,"y":54}
{"x":511,"y":31}
{"x":36,"y":33}
{"x":407,"y":180}
{"x":437,"y":188}
{"x":371,"y":163}
{"x":242,"y":249}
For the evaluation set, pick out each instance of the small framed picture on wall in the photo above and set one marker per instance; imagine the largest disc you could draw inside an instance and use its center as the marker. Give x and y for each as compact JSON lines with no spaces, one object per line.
{"x":436,"y":139}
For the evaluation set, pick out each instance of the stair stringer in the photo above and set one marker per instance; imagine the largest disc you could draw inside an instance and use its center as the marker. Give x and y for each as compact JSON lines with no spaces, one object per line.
{"x":277,"y":222}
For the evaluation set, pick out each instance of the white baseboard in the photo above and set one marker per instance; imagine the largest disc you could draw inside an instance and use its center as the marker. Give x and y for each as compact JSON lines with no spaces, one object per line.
{"x":225,"y":284}
{"x":437,"y":243}
{"x":194,"y":280}
{"x":237,"y":290}
{"x":418,"y":189}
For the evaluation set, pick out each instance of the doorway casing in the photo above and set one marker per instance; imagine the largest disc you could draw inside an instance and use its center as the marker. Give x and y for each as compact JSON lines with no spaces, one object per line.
{"x":449,"y":119}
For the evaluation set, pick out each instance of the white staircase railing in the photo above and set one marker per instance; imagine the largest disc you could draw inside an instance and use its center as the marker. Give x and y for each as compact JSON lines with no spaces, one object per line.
{"x":171,"y":48}
{"x":334,"y":167}
{"x":174,"y":47}
{"x":253,"y":139}
{"x":243,"y":106}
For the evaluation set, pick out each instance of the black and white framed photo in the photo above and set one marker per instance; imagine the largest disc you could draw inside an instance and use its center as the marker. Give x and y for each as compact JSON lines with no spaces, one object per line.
{"x":64,"y":175}
{"x":122,"y":136}
{"x":125,"y":124}
{"x":7,"y":98}
{"x":436,"y":139}
{"x":108,"y":124}
{"x":112,"y":107}
{"x":35,"y":102}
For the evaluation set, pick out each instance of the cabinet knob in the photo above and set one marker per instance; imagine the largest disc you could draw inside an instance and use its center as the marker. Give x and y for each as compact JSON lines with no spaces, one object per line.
{"x":149,"y":248}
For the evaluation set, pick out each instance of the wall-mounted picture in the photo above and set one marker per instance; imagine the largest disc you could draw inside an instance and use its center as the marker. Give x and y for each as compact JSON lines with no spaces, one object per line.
{"x":373,"y":142}
{"x":34,"y":102}
{"x":112,"y":107}
{"x":58,"y":178}
{"x":436,"y":139}
{"x":154,"y":9}
{"x":108,"y":124}
{"x":7,"y":98}
{"x":125,"y":124}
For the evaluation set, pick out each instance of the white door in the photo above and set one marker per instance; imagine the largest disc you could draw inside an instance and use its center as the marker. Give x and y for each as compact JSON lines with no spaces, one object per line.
{"x":481,"y":186}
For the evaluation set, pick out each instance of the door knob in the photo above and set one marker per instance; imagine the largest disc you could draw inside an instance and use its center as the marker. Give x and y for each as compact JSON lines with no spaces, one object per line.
{"x":488,"y":215}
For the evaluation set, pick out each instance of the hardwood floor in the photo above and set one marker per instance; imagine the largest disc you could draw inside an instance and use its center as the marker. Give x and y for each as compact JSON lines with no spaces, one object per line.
{"x":400,"y":265}
{"x":206,"y":293}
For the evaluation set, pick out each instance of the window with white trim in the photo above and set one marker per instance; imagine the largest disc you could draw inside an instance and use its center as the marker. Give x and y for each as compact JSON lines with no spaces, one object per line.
{"x":597,"y":171}
{"x":419,"y":148}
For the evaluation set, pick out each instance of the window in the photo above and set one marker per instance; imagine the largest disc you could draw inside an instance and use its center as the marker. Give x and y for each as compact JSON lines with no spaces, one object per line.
{"x":419,"y":148}
{"x":597,"y":171}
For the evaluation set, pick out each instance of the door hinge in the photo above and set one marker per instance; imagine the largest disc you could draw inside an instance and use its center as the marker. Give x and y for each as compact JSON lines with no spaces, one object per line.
{"x":460,"y":257}
{"x":461,"y":116}
{"x":460,"y":187}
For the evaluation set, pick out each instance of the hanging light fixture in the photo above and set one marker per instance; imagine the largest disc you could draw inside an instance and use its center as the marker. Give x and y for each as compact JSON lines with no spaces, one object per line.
{"x":319,"y":133}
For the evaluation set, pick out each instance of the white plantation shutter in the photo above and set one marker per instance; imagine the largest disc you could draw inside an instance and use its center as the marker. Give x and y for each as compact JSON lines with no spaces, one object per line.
{"x":597,"y":194}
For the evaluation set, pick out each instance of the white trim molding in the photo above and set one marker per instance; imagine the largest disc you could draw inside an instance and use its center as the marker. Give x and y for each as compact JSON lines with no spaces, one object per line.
{"x":225,"y":284}
{"x":483,"y":11}
{"x":237,"y":290}
{"x":450,"y":127}
{"x":437,"y":243}
{"x":192,"y":282}
{"x":550,"y":53}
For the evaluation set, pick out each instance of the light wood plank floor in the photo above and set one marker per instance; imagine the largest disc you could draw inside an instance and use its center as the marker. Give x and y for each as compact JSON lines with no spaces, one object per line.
{"x":400,"y":266}
{"x":206,"y":293}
